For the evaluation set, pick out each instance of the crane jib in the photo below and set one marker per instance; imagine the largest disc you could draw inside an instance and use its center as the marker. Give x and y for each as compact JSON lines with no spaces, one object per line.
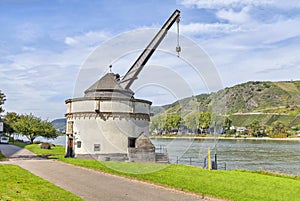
{"x":138,"y":65}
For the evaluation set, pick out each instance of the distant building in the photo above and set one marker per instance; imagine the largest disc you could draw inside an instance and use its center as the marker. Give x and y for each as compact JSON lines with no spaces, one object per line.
{"x":241,"y":129}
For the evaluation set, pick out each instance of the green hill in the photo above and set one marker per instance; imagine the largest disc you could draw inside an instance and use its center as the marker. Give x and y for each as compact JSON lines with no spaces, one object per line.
{"x":265,"y":119}
{"x":60,"y":124}
{"x":264,"y":101}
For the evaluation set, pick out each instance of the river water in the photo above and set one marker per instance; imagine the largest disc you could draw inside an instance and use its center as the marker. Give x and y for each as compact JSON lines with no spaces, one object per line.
{"x":275,"y":156}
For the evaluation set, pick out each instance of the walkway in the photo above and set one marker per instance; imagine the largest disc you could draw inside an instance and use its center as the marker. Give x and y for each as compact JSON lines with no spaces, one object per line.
{"x":90,"y":184}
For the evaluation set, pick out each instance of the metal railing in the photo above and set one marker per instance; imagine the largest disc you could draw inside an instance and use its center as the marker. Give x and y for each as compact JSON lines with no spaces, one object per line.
{"x":188,"y":161}
{"x":161,"y":149}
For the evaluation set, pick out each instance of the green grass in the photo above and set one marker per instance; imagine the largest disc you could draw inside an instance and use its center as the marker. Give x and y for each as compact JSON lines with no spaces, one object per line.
{"x":19,"y":184}
{"x":230,"y":184}
{"x":2,"y":157}
{"x":57,"y":150}
{"x":54,"y":151}
{"x":233,"y":185}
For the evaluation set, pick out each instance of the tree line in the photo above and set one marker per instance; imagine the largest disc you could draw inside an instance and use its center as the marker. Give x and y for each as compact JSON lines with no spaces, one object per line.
{"x":26,"y":124}
{"x":276,"y":129}
{"x":207,"y":122}
{"x":29,"y":126}
{"x":198,"y":122}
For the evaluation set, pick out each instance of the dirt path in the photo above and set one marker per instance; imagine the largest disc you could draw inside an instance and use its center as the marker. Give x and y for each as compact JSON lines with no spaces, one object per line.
{"x":90,"y":184}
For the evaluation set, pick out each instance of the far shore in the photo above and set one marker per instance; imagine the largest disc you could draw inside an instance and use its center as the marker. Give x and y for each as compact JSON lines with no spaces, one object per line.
{"x":225,"y":138}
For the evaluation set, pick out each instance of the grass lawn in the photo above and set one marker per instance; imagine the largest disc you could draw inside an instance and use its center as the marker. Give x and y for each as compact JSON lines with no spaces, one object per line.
{"x":54,"y":151}
{"x":57,"y":150}
{"x":2,"y":157}
{"x":19,"y":184}
{"x":230,"y":184}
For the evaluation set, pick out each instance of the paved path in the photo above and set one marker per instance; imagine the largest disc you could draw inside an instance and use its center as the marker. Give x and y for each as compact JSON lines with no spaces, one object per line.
{"x":90,"y":184}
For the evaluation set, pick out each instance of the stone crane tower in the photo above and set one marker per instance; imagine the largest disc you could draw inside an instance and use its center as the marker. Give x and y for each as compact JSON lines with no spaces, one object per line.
{"x":108,"y":123}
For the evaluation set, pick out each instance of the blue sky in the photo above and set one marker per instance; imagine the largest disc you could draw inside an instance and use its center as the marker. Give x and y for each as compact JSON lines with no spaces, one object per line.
{"x":44,"y":43}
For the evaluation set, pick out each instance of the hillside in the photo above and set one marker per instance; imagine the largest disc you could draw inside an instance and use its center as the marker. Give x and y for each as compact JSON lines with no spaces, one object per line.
{"x":264,"y":97}
{"x":60,"y":124}
{"x":264,"y":101}
{"x":289,"y":120}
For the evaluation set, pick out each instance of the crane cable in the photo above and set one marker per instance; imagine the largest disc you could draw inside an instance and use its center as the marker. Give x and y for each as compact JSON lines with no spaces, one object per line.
{"x":178,"y":48}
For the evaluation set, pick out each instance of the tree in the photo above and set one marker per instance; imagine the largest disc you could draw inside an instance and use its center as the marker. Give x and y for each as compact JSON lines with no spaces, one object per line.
{"x":191,"y":122}
{"x":227,"y":123}
{"x":9,"y":122}
{"x":2,"y":100}
{"x":173,"y":121}
{"x":255,"y":128}
{"x":203,"y":120}
{"x":200,"y":120}
{"x":278,"y":129}
{"x":158,"y":122}
{"x":217,"y":121}
{"x":32,"y":127}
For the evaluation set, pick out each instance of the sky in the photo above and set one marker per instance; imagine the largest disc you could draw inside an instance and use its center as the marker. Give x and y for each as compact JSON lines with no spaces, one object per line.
{"x":44,"y":46}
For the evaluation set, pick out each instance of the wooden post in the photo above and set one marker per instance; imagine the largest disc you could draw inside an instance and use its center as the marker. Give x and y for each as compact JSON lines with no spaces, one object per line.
{"x":208,"y":159}
{"x":216,"y":162}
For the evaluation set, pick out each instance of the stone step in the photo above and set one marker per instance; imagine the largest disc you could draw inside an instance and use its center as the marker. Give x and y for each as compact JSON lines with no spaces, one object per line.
{"x":161,"y":158}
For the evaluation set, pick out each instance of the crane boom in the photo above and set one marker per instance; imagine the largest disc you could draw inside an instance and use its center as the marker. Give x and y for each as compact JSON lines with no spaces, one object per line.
{"x":138,"y":65}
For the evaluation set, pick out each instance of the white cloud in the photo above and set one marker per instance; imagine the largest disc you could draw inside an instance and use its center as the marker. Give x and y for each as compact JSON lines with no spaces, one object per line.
{"x":289,"y":4}
{"x":70,"y":41}
{"x":234,"y":17}
{"x":28,"y":48}
{"x":40,"y":89}
{"x":39,"y":80}
{"x":263,"y":53}
{"x":90,"y":38}
{"x":219,"y":4}
{"x":250,"y":48}
{"x":204,"y":28}
{"x":281,"y":30}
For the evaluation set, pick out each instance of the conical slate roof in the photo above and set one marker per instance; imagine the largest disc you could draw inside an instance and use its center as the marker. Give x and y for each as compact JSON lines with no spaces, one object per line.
{"x":107,"y":86}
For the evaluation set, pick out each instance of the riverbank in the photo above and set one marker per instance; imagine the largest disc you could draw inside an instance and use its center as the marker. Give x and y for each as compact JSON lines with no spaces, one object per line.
{"x":223,"y":138}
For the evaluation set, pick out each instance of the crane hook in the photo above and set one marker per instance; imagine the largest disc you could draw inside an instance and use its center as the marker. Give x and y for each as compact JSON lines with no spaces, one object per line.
{"x":178,"y":48}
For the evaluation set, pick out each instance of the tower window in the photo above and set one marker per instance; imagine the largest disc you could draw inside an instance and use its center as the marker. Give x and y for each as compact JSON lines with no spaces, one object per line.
{"x":96,"y":147}
{"x":78,"y":144}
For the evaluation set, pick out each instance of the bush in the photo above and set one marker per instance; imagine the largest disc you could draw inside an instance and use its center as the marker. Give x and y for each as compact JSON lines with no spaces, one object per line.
{"x":231,"y":132}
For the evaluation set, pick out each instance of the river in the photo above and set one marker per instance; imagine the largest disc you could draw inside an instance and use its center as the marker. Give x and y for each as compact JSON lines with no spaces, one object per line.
{"x":248,"y":154}
{"x":275,"y":156}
